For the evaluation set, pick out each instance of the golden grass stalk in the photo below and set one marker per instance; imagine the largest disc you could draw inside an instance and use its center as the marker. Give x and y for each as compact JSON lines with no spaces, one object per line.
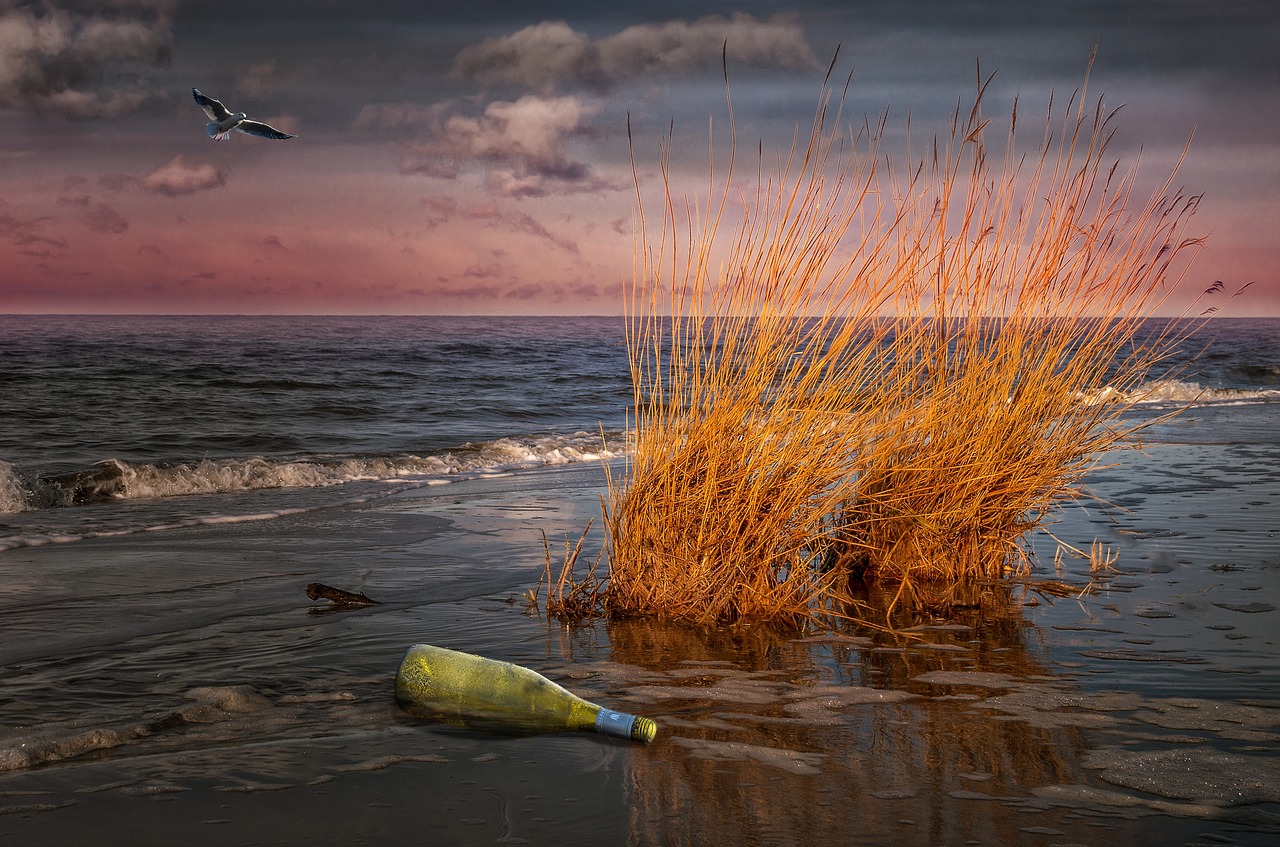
{"x":882,"y":375}
{"x":570,"y":596}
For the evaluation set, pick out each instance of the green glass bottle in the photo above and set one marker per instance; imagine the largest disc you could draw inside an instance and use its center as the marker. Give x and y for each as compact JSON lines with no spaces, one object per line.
{"x":441,"y":684}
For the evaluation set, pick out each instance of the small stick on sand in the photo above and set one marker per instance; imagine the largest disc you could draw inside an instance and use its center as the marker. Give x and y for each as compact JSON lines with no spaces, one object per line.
{"x":337,"y":597}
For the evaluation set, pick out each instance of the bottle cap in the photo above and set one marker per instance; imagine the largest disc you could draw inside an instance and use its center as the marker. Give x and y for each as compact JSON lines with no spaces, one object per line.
{"x":644,"y":730}
{"x":622,"y":725}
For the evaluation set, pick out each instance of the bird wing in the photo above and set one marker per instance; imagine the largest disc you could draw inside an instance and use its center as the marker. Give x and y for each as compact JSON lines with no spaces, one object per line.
{"x":261,"y":130}
{"x":212,"y":108}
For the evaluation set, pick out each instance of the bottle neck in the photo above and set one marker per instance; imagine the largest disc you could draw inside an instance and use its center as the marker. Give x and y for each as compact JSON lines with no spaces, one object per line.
{"x":622,"y":725}
{"x":619,"y":724}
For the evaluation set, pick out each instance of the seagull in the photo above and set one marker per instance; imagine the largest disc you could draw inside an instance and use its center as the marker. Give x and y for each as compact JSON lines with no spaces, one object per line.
{"x":224,"y":120}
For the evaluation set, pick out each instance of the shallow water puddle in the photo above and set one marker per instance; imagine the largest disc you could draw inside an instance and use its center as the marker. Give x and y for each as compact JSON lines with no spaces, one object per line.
{"x":791,"y":761}
{"x":1194,"y":774}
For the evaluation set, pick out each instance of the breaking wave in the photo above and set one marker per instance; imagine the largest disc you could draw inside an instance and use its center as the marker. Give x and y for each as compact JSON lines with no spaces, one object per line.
{"x":116,"y":479}
{"x":1175,"y":392}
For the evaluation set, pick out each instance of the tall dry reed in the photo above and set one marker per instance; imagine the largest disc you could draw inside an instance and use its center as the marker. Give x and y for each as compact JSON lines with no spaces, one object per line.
{"x":884,"y":374}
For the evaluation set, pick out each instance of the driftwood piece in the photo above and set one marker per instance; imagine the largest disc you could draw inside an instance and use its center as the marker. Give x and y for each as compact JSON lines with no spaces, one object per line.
{"x":338,"y":599}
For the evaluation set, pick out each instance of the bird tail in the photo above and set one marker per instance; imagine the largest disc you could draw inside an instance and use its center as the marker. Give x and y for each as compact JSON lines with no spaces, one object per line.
{"x":212,"y":129}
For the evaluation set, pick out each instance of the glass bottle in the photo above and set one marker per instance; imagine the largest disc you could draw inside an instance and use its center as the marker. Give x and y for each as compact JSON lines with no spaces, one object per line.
{"x":442,"y":684}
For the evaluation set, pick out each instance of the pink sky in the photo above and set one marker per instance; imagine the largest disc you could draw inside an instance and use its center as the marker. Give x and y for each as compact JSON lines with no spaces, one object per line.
{"x":454,"y":166}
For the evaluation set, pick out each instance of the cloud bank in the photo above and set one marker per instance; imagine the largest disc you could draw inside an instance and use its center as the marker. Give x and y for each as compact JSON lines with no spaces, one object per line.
{"x":25,"y":232}
{"x":550,"y":54}
{"x":524,"y":143}
{"x":56,"y":61}
{"x":97,"y":216}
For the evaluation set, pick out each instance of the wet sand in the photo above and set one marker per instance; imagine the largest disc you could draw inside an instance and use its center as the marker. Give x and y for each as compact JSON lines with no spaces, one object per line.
{"x":180,"y":687}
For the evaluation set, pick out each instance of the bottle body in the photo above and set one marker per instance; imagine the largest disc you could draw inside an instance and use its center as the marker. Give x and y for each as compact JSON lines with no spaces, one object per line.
{"x":442,"y":684}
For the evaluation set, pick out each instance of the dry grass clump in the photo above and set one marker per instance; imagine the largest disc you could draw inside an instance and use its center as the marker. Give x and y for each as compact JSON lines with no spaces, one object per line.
{"x":884,"y":375}
{"x":570,"y":596}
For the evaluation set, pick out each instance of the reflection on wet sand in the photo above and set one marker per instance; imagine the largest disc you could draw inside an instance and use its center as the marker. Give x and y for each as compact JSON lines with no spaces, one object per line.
{"x":936,"y":733}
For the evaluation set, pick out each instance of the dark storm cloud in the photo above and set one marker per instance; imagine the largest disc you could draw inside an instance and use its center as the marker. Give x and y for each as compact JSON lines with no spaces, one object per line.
{"x":490,"y":271}
{"x":65,"y":60}
{"x":97,"y":216}
{"x":24,"y":232}
{"x":527,"y":291}
{"x":100,"y":217}
{"x":526,"y":224}
{"x":584,"y":290}
{"x":517,"y":221}
{"x":552,"y":53}
{"x":439,"y":210}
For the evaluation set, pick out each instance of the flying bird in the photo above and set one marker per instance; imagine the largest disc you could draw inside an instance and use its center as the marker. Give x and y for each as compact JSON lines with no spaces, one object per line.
{"x":223,"y":120}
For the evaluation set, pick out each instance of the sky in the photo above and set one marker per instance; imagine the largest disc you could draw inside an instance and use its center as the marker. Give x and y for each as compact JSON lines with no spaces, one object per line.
{"x":473,"y":158}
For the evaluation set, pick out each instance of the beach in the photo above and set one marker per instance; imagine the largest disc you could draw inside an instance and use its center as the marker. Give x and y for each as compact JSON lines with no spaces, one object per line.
{"x":166,"y":677}
{"x":209,"y":700}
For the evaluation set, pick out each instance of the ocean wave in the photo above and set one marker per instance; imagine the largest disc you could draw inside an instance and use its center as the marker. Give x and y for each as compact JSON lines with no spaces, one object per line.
{"x":13,"y":494}
{"x":116,"y":479}
{"x":1176,"y":392}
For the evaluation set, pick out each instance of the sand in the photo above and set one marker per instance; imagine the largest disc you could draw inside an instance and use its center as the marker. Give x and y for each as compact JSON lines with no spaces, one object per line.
{"x":180,"y":687}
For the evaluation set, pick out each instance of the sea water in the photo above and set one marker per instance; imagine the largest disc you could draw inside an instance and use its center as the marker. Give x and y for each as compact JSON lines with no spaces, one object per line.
{"x":112,"y":425}
{"x":172,"y":485}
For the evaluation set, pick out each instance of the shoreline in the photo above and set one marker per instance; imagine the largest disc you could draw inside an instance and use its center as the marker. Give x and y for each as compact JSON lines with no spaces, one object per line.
{"x":273,"y":723}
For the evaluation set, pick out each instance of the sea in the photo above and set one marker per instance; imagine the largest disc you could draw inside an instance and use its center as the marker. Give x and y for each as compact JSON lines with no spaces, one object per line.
{"x":171,"y":486}
{"x":113,"y":425}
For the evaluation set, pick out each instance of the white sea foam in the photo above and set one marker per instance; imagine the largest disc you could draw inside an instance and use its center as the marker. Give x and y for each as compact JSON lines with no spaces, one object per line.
{"x":381,"y":477}
{"x":1176,"y":392}
{"x":114,"y":479}
{"x":13,"y":496}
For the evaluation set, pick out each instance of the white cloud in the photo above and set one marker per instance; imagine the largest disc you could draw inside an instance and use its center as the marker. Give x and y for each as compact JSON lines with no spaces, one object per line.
{"x":525,"y":144}
{"x":551,"y":53}
{"x":179,"y":177}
